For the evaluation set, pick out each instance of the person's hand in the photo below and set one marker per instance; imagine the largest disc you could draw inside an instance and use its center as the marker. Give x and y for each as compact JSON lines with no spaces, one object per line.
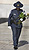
{"x":21,"y":19}
{"x":9,"y":27}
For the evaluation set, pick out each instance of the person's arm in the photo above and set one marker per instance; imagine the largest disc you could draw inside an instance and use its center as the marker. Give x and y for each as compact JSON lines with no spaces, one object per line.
{"x":24,"y":15}
{"x":9,"y":20}
{"x":24,"y":18}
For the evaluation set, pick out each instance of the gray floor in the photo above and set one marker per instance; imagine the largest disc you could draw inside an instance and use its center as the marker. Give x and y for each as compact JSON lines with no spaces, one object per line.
{"x":6,"y":41}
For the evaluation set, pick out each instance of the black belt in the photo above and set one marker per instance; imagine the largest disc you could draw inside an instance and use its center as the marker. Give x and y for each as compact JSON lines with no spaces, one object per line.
{"x":15,"y":22}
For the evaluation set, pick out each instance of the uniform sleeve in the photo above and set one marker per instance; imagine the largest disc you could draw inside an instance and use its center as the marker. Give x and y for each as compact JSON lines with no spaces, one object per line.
{"x":9,"y":19}
{"x":24,"y":15}
{"x":24,"y":19}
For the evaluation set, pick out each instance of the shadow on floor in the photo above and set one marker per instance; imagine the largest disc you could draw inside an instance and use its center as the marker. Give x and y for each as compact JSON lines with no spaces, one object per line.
{"x":3,"y":20}
{"x":21,"y":43}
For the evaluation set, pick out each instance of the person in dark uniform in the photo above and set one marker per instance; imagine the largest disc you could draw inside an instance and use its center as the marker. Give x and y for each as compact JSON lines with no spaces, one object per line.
{"x":13,"y":23}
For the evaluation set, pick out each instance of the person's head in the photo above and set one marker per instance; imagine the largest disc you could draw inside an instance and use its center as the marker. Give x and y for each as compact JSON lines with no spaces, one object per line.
{"x":18,"y":5}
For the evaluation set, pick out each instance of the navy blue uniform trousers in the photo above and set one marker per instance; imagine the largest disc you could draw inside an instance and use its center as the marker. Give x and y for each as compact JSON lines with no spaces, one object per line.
{"x":16,"y":34}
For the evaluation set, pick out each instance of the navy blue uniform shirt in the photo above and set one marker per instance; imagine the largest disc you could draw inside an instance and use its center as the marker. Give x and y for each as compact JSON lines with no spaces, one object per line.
{"x":14,"y":13}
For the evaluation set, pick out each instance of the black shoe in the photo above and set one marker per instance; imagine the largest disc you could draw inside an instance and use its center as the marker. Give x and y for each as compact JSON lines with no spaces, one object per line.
{"x":16,"y":47}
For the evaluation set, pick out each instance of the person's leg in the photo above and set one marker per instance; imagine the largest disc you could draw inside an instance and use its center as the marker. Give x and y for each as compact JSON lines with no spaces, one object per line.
{"x":14,"y":37}
{"x":18,"y":33}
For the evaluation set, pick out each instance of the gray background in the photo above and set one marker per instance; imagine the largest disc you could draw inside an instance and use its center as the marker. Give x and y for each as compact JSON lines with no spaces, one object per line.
{"x":6,"y":8}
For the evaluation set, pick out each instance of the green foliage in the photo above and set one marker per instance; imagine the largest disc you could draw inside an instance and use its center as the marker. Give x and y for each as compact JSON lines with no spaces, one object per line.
{"x":22,"y":15}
